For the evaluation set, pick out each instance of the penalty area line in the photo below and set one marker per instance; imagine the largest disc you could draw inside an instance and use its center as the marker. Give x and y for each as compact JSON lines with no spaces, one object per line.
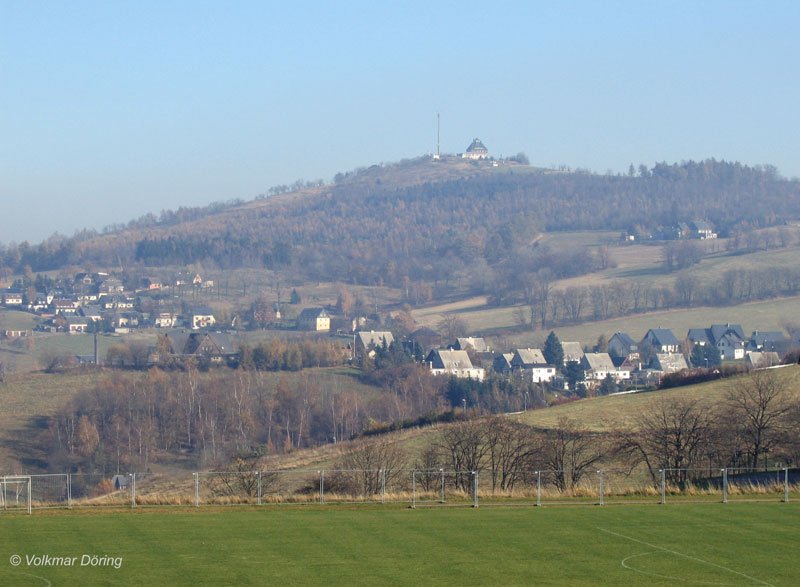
{"x":687,"y":556}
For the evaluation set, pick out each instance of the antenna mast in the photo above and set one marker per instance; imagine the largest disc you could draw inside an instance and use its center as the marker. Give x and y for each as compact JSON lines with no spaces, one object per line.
{"x":437,"y":136}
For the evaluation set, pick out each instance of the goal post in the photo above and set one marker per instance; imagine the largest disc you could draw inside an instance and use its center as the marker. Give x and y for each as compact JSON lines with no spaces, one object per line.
{"x":15,"y":493}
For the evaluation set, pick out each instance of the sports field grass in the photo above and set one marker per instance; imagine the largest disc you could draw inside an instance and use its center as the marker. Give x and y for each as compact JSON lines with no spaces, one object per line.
{"x":730,"y":544}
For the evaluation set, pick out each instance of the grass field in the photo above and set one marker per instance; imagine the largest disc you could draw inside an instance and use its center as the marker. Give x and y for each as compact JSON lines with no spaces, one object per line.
{"x":731,"y":544}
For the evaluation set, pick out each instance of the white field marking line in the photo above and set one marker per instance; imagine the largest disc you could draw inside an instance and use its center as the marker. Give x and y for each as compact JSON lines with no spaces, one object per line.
{"x":46,"y":582}
{"x":671,"y":578}
{"x":676,"y":553}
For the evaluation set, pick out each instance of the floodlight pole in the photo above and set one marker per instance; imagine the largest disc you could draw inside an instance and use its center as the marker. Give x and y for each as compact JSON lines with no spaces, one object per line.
{"x":602,"y":488}
{"x":441,"y":471}
{"x":663,"y":486}
{"x":196,"y":489}
{"x":132,"y":477}
{"x":475,"y":489}
{"x":258,"y":479}
{"x":538,"y":488}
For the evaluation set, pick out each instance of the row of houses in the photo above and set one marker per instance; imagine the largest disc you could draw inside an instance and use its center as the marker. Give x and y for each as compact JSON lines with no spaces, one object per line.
{"x":644,"y":362}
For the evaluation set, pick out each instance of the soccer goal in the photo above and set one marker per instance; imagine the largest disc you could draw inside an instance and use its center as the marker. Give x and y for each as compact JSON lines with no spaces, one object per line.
{"x":15,"y":492}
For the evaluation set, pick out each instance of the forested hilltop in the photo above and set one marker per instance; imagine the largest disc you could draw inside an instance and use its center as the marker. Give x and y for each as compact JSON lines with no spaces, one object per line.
{"x":422,"y":220}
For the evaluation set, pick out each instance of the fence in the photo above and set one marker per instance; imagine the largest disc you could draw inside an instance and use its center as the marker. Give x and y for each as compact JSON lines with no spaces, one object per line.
{"x":417,"y":488}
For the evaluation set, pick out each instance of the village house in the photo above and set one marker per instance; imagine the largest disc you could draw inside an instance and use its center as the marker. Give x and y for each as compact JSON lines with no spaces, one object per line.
{"x":454,"y":363}
{"x":215,"y":347}
{"x":165,"y":320}
{"x":533,"y":364}
{"x":12,"y":298}
{"x":477,"y":344}
{"x":761,"y":360}
{"x":622,"y":345}
{"x":598,"y":366}
{"x":502,"y":363}
{"x":662,"y":340}
{"x":669,"y":362}
{"x":367,"y":342}
{"x":314,"y":319}
{"x":201,"y":317}
{"x":700,"y":229}
{"x":573,"y":351}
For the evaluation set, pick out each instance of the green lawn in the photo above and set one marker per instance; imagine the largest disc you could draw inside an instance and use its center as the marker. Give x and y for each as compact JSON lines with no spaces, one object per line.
{"x":733,"y":544}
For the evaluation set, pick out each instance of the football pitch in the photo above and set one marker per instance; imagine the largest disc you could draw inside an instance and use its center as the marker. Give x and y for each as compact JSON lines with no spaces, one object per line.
{"x":690,"y":544}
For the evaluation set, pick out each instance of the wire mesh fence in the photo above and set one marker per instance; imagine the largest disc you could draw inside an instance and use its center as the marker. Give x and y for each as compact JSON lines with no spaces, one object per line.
{"x":416,"y":488}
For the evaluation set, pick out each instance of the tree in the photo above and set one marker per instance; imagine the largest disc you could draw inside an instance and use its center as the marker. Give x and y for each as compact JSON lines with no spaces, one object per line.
{"x":674,"y":437}
{"x":294,"y":297}
{"x":759,"y":404}
{"x":452,"y":326}
{"x":570,"y":452}
{"x":553,"y":351}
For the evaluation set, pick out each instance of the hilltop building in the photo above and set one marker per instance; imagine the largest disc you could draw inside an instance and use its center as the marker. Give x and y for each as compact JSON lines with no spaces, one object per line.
{"x":477,"y":150}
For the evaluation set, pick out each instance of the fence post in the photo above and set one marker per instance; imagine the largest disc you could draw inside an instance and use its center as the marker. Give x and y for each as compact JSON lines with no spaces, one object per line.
{"x":258,"y":478}
{"x":475,"y":489}
{"x":724,"y":485}
{"x":602,"y":488}
{"x":69,"y":490}
{"x":538,"y":489}
{"x":133,"y":489}
{"x":786,"y":485}
{"x":196,"y":489}
{"x":663,"y":486}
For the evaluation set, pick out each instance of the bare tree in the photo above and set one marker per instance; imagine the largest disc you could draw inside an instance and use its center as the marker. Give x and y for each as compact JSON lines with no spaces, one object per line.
{"x":364,"y":467}
{"x":759,"y":405}
{"x":463,"y":447}
{"x":674,"y":436}
{"x":511,"y":449}
{"x":570,"y":452}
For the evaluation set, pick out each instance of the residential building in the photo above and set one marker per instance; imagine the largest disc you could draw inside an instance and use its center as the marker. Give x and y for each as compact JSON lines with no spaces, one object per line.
{"x":454,"y":363}
{"x":662,"y":340}
{"x":314,"y":319}
{"x":532,"y":363}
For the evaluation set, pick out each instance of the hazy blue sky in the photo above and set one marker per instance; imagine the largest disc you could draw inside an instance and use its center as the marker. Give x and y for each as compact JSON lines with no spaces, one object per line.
{"x":109,"y":110}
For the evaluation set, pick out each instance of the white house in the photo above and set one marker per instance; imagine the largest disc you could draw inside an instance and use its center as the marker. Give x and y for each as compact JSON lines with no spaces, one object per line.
{"x":455,"y":363}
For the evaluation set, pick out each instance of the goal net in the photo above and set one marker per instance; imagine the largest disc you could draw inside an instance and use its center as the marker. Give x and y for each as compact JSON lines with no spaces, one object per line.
{"x":15,"y":493}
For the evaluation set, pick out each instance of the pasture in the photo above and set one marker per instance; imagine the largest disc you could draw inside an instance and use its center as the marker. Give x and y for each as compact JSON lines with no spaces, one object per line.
{"x":720,"y":544}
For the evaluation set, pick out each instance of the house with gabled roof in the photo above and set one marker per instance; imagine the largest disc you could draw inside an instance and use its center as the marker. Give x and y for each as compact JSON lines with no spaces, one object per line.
{"x":476,"y":150}
{"x":12,"y":298}
{"x":774,"y":341}
{"x":598,"y":366}
{"x":730,"y":347}
{"x":662,"y":340}
{"x":502,"y":363}
{"x":367,"y":342}
{"x":702,"y":230}
{"x":454,"y":363}
{"x":622,"y":345}
{"x":216,"y":347}
{"x":201,"y":317}
{"x":314,"y":319}
{"x":699,"y":336}
{"x":533,"y":364}
{"x":669,"y":362}
{"x":573,"y":351}
{"x":475,"y":343}
{"x":761,"y":359}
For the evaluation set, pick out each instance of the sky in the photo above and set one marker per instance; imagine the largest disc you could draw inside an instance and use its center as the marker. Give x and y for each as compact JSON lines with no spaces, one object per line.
{"x":111,"y":110}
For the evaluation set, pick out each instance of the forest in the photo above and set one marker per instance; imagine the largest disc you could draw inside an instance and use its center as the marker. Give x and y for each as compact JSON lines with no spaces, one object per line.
{"x":393,"y":233}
